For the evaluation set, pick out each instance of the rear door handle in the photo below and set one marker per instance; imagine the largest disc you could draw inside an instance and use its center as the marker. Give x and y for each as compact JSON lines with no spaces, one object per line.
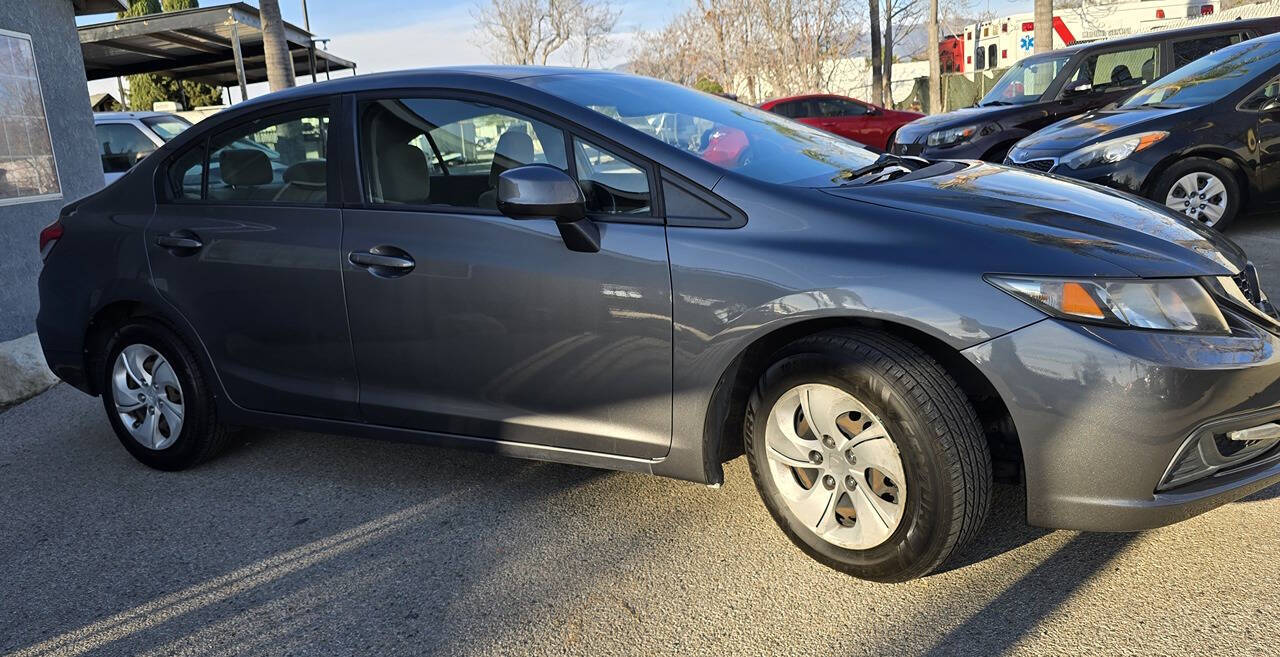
{"x":385,"y":261}
{"x":182,"y":240}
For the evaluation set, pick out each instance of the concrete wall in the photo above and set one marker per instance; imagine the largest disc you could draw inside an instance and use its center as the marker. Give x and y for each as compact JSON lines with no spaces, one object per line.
{"x":52,"y":26}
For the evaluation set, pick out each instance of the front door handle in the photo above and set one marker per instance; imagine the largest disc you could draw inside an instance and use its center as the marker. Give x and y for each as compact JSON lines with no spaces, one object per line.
{"x":185,"y":240}
{"x":386,"y":261}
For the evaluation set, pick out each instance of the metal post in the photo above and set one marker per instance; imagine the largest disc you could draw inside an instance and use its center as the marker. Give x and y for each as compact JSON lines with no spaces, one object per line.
{"x":124,"y":100}
{"x":235,"y":50}
{"x":311,"y":42}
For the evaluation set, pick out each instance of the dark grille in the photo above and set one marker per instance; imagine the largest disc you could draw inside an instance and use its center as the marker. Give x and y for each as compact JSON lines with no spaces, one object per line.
{"x":1247,"y":280}
{"x":908,"y":149}
{"x":1043,"y":166}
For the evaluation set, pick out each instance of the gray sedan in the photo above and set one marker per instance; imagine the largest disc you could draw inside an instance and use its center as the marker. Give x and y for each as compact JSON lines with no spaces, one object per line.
{"x":520,"y":261}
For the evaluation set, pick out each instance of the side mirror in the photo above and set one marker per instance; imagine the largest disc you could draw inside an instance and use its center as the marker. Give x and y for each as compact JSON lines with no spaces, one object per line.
{"x":541,"y":191}
{"x":1077,"y":88}
{"x":872,"y":110}
{"x":1271,"y":106}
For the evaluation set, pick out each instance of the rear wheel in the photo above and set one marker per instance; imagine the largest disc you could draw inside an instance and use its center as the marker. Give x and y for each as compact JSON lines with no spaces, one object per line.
{"x":1202,"y":189}
{"x":157,"y":400}
{"x":868,"y":455}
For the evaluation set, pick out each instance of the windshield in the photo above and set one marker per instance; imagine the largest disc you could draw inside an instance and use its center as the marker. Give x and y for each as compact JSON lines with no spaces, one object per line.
{"x":726,"y":133}
{"x":1211,"y":77}
{"x":167,"y":127}
{"x":1025,"y":82}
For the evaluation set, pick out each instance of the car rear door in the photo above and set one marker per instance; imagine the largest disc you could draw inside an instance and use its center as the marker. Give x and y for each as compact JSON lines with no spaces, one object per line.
{"x":469,"y":323}
{"x":244,"y":245}
{"x":1261,"y":106}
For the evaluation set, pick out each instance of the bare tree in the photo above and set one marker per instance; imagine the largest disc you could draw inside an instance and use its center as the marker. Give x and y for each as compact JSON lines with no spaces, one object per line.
{"x":529,"y":31}
{"x":877,"y":75}
{"x":935,"y":61}
{"x":1044,"y":25}
{"x":900,"y":17}
{"x":805,"y":38}
{"x":276,"y":48}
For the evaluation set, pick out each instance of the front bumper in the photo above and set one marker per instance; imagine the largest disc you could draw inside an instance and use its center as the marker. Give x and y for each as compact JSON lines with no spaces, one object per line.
{"x":1102,"y":413}
{"x":1127,"y":175}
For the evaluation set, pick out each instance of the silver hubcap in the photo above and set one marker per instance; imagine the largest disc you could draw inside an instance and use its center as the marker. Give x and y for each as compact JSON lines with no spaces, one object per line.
{"x":1200,"y":196}
{"x":147,"y":396}
{"x":836,"y":466}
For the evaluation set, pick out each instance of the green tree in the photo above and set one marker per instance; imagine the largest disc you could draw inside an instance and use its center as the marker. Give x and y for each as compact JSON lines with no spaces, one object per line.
{"x":709,"y":86}
{"x":149,"y":88}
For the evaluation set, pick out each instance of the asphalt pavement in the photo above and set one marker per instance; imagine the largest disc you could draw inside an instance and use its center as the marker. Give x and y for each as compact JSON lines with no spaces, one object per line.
{"x":305,"y":544}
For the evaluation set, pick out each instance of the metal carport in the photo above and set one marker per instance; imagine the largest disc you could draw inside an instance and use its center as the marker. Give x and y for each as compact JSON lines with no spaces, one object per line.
{"x":219,"y":45}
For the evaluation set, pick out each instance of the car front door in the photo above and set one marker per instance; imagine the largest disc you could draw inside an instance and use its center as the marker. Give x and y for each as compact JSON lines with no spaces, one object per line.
{"x":245,"y":247}
{"x":469,"y":323}
{"x":1264,"y":105}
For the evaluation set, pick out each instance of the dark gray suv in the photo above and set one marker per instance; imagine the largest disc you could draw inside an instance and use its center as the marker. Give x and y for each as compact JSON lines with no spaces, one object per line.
{"x":611,"y":271}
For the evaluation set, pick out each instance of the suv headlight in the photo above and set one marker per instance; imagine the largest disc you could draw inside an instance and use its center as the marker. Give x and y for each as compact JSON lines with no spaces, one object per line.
{"x":953,"y":136}
{"x":1111,"y":150}
{"x":1171,"y":304}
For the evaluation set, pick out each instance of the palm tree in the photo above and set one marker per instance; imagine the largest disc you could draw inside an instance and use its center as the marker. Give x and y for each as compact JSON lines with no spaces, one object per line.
{"x":935,"y":61}
{"x":1044,"y":26}
{"x":276,"y":48}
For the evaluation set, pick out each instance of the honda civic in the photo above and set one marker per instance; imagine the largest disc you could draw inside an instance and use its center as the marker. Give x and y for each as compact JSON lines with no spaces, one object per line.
{"x":522,"y":261}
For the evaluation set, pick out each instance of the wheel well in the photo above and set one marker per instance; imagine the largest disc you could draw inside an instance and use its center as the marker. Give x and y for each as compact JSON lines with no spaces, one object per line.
{"x":101,"y":326}
{"x":723,"y":429}
{"x":1225,"y":160}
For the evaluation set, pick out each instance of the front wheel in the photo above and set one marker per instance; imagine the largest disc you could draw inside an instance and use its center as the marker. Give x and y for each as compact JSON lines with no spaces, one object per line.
{"x":868,"y":455}
{"x":1202,"y":189}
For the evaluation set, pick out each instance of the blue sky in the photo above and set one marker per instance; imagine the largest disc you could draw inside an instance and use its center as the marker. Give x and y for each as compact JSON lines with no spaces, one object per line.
{"x":391,"y":34}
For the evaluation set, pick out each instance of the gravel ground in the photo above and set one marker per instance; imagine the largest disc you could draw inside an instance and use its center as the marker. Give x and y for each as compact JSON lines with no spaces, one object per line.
{"x":302,"y":544}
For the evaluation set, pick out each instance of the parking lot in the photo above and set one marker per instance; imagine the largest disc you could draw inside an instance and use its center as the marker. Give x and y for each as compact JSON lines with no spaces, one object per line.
{"x":298,"y":544}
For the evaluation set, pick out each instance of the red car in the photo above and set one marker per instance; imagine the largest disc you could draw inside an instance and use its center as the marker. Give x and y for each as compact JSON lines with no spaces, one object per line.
{"x":862,"y":122}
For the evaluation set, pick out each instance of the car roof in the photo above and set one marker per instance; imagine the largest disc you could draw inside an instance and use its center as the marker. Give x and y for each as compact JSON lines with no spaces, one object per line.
{"x":1271,"y":24}
{"x":786,"y":99}
{"x":421,"y":77}
{"x":119,"y":116}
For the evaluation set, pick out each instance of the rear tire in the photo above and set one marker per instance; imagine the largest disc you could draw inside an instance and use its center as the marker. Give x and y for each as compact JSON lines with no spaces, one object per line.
{"x":157,"y":398}
{"x":874,"y":383}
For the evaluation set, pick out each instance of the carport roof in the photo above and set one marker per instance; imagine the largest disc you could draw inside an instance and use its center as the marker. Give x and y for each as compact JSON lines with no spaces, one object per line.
{"x":195,"y":44}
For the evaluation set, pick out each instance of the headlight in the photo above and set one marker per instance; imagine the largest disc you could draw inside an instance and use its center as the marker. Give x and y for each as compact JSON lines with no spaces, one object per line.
{"x":953,"y":136}
{"x":1111,"y":150}
{"x":1174,"y":304}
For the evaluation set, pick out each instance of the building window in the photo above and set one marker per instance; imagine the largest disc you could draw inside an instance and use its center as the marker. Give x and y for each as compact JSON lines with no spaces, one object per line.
{"x":27,"y":168}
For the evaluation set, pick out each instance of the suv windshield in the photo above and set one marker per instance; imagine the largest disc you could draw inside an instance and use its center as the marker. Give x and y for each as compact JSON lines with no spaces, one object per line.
{"x":1025,"y":82}
{"x":1209,"y":78}
{"x":726,"y":133}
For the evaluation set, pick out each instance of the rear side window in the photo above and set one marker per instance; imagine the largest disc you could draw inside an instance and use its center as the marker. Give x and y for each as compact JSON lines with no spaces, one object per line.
{"x":279,"y":159}
{"x":1185,"y":52}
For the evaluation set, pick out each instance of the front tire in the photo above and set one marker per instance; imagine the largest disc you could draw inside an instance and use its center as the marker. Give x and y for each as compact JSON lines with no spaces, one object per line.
{"x":868,"y":455}
{"x":1202,"y":189}
{"x":157,"y":399}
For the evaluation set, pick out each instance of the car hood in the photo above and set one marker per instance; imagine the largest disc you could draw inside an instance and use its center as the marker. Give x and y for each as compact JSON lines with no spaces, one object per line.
{"x":1046,"y":211}
{"x":920,"y":128}
{"x":1070,"y":134}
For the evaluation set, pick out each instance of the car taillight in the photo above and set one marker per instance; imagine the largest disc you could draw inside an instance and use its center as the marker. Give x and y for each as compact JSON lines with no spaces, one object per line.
{"x":49,"y":237}
{"x":1205,"y":10}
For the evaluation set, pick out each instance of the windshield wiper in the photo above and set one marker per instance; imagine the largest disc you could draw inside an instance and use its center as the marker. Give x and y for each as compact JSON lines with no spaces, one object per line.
{"x":993,"y":103}
{"x":1160,"y":105}
{"x":885,"y":161}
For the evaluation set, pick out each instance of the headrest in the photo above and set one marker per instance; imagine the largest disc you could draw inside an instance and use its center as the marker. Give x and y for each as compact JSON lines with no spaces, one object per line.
{"x":1120,"y":73}
{"x":307,"y":172}
{"x":241,"y":167}
{"x":514,"y":149}
{"x":403,"y":174}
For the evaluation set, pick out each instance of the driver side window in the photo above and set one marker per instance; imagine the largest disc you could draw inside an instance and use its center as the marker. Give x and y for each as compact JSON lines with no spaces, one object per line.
{"x":1268,"y":93}
{"x":1120,"y":69}
{"x":611,"y":184}
{"x":438,"y":151}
